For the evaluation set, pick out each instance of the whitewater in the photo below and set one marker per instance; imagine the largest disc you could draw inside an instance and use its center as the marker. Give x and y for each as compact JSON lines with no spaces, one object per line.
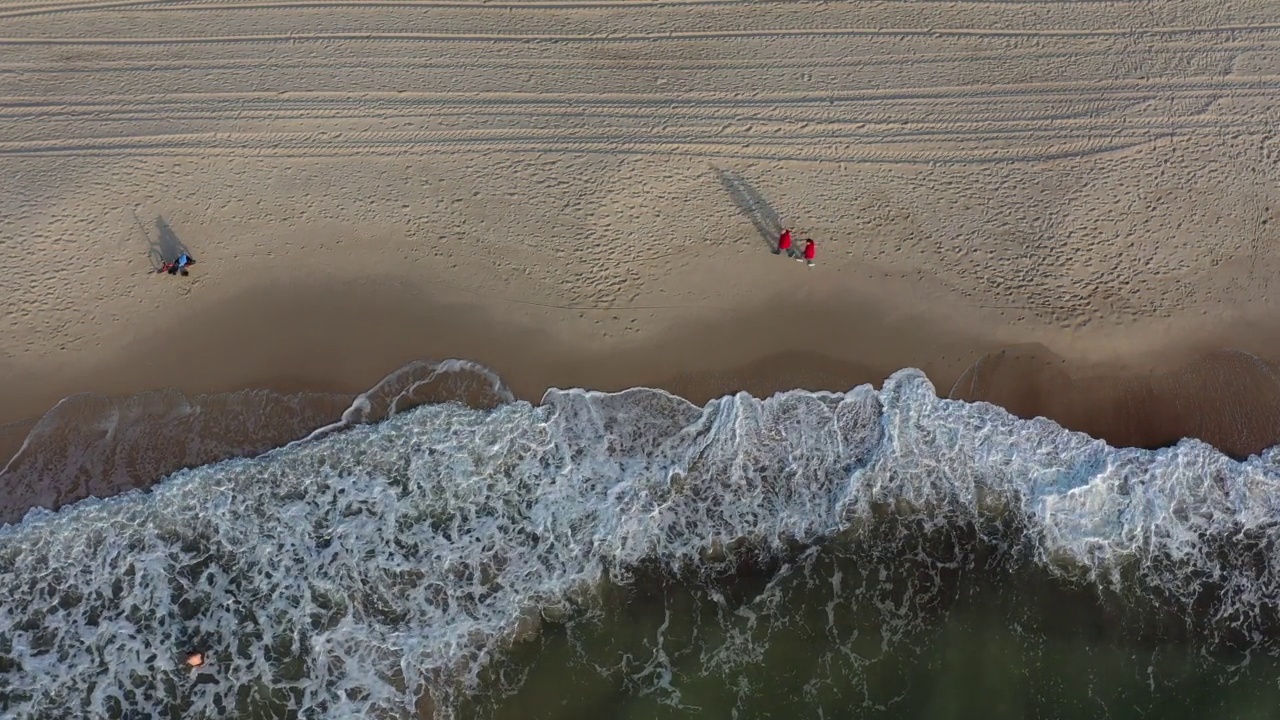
{"x":377,"y":568}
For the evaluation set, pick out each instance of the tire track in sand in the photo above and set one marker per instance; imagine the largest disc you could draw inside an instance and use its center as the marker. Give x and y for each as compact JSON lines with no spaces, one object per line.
{"x":707,"y":144}
{"x":10,"y":10}
{"x":625,"y":37}
{"x":1227,"y":51}
{"x":1033,"y":121}
{"x":200,"y":5}
{"x":1125,"y":90}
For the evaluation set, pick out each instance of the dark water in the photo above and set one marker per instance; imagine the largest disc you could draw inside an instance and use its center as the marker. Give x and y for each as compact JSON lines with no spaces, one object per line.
{"x":946,"y":628}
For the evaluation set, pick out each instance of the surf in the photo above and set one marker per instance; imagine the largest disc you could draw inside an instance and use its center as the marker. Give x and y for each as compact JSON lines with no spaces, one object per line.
{"x":373,"y":567}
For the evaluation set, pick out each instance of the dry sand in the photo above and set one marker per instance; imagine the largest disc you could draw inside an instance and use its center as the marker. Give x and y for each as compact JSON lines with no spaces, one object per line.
{"x":585,"y":193}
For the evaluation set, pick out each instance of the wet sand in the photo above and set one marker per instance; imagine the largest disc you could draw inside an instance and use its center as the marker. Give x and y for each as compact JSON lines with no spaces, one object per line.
{"x":116,"y":434}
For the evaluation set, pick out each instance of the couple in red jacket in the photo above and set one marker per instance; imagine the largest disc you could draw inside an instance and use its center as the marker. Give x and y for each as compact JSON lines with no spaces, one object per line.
{"x":805,"y":256}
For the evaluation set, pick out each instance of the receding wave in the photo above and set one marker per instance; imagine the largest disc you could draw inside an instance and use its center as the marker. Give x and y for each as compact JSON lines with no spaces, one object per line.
{"x":391,"y":569}
{"x":91,"y":445}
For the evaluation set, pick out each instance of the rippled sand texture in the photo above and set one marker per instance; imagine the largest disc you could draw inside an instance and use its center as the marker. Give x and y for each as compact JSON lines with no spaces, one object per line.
{"x":1100,"y":177}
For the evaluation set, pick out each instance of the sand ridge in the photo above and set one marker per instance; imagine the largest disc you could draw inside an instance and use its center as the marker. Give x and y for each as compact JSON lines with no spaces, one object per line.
{"x":1099,"y":177}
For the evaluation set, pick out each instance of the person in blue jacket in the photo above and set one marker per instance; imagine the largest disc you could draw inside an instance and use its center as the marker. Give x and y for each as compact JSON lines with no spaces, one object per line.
{"x":178,"y":266}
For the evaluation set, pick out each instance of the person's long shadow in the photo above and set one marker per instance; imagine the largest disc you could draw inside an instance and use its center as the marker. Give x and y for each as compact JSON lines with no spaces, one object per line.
{"x":167,"y":246}
{"x":753,"y":205}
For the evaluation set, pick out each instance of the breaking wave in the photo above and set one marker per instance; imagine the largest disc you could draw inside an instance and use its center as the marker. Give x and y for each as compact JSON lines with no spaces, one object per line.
{"x":387,"y":570}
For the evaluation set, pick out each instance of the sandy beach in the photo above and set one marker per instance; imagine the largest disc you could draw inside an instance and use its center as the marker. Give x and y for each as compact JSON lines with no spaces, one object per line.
{"x":1066,"y":208}
{"x":587,"y":193}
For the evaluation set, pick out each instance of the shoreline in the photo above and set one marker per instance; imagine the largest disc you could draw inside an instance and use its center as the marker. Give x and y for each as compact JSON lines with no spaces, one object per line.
{"x":344,"y":336}
{"x":1225,"y":398}
{"x":327,"y":335}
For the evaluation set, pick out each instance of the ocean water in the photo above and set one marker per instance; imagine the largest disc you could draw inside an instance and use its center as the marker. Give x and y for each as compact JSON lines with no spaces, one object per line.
{"x":867,"y":554}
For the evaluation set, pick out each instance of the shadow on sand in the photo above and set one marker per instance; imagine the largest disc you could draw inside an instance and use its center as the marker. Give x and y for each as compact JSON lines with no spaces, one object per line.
{"x":166,"y":246}
{"x":753,"y":205}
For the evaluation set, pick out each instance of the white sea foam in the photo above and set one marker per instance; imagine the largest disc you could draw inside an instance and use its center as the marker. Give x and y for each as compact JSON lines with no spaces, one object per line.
{"x":388,"y":559}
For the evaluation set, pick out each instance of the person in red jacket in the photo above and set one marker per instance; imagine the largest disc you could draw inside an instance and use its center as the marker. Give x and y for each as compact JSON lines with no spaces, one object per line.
{"x":784,"y":244}
{"x":810,"y":250}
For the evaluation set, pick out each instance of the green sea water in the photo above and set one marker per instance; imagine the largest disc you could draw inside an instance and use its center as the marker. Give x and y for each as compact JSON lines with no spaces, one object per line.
{"x":939,"y":630}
